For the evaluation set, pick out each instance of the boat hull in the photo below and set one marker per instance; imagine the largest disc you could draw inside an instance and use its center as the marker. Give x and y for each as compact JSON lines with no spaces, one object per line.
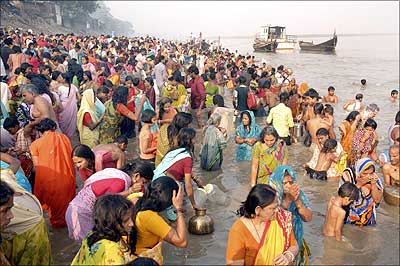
{"x":392,"y":196}
{"x":328,"y":46}
{"x":273,"y":46}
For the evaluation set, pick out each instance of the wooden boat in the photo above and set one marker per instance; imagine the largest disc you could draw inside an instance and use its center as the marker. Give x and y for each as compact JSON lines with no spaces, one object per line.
{"x":392,"y":195}
{"x":273,"y":39}
{"x":328,"y":46}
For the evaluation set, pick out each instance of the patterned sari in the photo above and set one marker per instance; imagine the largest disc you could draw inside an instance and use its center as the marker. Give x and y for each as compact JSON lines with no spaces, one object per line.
{"x":275,"y":239}
{"x":356,"y":151}
{"x":269,"y":159}
{"x":211,"y":153}
{"x":110,"y":127}
{"x":276,"y":181}
{"x":244,"y":150}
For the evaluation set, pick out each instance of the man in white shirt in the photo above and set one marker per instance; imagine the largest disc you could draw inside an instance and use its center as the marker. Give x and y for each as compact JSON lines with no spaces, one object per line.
{"x":160,"y":74}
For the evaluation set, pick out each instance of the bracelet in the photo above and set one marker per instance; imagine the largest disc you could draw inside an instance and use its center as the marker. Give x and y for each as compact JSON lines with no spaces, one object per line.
{"x":180,"y":210}
{"x":290,"y":255}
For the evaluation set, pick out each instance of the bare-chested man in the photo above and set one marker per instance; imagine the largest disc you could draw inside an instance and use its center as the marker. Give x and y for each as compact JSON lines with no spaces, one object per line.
{"x":331,"y":97}
{"x":41,"y":108}
{"x":111,"y":155}
{"x":311,"y":98}
{"x":316,"y":123}
{"x":390,"y":170}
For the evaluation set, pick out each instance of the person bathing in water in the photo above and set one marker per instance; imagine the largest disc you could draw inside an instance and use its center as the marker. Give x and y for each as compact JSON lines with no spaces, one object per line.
{"x":331,"y":97}
{"x":394,"y":94}
{"x":325,"y":159}
{"x":335,"y":214}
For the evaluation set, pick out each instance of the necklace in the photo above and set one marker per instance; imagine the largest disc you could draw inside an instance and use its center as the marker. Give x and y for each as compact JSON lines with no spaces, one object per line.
{"x":259,"y":238}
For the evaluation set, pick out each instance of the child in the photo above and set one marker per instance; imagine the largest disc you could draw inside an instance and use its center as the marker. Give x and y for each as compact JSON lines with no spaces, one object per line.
{"x":335,"y":213}
{"x":147,"y":140}
{"x":325,"y":159}
{"x":393,"y":95}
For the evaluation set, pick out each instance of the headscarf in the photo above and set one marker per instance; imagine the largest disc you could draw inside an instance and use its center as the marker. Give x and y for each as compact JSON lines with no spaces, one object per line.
{"x":302,"y":89}
{"x":276,"y":181}
{"x":254,"y":128}
{"x":362,"y":164}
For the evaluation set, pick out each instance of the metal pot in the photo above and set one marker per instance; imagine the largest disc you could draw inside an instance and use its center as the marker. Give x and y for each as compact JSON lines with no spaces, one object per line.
{"x":201,"y":223}
{"x":298,"y":130}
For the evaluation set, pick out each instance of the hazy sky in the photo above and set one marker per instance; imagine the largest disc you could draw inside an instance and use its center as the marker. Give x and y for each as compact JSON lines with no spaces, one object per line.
{"x":177,"y":19}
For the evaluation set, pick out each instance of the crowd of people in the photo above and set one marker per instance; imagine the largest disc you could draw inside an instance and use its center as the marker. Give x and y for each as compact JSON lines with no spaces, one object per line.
{"x":107,"y":90}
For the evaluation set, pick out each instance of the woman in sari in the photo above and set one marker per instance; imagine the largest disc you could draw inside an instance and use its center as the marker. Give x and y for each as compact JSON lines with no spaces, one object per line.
{"x":105,"y":245}
{"x":212,"y":89}
{"x":87,"y":120}
{"x":89,"y":67}
{"x":363,"y":211}
{"x":68,"y":95}
{"x":365,"y":141}
{"x":116,"y":109}
{"x":55,"y":174}
{"x":150,"y":228}
{"x":110,"y":180}
{"x":263,"y":235}
{"x":269,"y":153}
{"x":215,"y":140}
{"x":88,"y":82}
{"x":347,"y":129}
{"x":166,"y":113}
{"x":247,"y":134}
{"x":292,"y":198}
{"x":168,"y":132}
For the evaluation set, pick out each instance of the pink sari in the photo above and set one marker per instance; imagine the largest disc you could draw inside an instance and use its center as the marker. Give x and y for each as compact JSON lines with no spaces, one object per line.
{"x":79,"y":216}
{"x":68,"y":116}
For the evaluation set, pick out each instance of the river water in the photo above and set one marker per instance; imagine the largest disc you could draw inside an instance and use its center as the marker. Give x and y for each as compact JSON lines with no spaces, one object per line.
{"x":375,"y":58}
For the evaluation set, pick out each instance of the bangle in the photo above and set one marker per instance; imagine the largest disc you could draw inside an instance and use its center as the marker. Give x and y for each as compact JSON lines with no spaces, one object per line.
{"x":290,"y":255}
{"x":180,"y":210}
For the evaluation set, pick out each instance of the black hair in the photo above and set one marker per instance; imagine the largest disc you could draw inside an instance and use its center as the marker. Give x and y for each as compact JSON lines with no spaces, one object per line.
{"x":218,"y":100}
{"x":393,"y":92}
{"x":10,"y":122}
{"x":122,"y":139}
{"x":397,"y":117}
{"x":157,"y":197}
{"x":120,"y":95}
{"x":161,"y":104}
{"x":24,"y":66}
{"x":329,"y":144}
{"x":108,"y":83}
{"x":248,"y":114}
{"x":363,"y":81}
{"x":185,"y":140}
{"x":281,"y":67}
{"x":352,"y":116}
{"x":268,"y":130}
{"x":46,"y":125}
{"x":142,"y":261}
{"x":260,"y":195}
{"x":193,"y":69}
{"x":318,"y":108}
{"x":147,"y":116}
{"x":241,"y":80}
{"x":359,"y":96}
{"x":350,"y":190}
{"x":103,"y":89}
{"x":312,"y":93}
{"x":88,"y":74}
{"x":212,"y":76}
{"x":85,"y":152}
{"x":180,"y":120}
{"x":150,"y":80}
{"x":16,"y":49}
{"x":322,"y":132}
{"x":141,"y":167}
{"x":135,"y":81}
{"x":370,"y":123}
{"x":328,"y":109}
{"x":109,"y":211}
{"x":68,"y":76}
{"x":283,"y":97}
{"x":331,"y":88}
{"x":6,"y":192}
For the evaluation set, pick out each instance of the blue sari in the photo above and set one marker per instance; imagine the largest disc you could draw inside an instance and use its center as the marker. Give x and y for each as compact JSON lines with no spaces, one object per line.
{"x":22,"y":180}
{"x":244,"y":151}
{"x":276,"y":181}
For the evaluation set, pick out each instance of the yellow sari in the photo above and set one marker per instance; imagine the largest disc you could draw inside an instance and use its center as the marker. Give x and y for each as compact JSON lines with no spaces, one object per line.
{"x":86,"y":135}
{"x":276,"y":238}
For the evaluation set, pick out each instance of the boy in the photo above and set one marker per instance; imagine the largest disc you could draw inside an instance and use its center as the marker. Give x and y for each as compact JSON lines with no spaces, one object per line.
{"x":325,"y":159}
{"x":394,"y":94}
{"x":335,"y":213}
{"x":331,"y":97}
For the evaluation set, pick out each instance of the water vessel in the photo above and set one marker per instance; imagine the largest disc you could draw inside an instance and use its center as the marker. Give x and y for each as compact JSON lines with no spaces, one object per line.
{"x":327,"y":46}
{"x":273,"y":39}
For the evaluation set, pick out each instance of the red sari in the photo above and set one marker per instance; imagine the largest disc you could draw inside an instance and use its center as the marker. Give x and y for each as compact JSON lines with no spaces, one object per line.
{"x":55,"y":174}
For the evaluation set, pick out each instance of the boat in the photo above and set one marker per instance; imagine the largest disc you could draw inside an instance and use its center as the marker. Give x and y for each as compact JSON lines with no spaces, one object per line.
{"x":273,"y":39}
{"x":328,"y":46}
{"x":392,"y":196}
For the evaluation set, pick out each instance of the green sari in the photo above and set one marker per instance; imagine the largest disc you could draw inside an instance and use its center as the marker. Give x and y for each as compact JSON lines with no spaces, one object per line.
{"x":110,"y":126}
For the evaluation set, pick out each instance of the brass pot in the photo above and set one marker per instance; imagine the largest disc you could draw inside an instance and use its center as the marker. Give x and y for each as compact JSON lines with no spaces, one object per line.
{"x":201,"y":223}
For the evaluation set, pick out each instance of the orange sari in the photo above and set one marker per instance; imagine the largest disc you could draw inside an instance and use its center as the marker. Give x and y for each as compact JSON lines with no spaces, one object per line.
{"x":347,"y":140}
{"x":55,"y":174}
{"x":277,"y":237}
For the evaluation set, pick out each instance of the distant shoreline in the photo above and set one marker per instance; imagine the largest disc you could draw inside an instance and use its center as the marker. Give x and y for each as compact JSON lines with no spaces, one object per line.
{"x":308,"y":35}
